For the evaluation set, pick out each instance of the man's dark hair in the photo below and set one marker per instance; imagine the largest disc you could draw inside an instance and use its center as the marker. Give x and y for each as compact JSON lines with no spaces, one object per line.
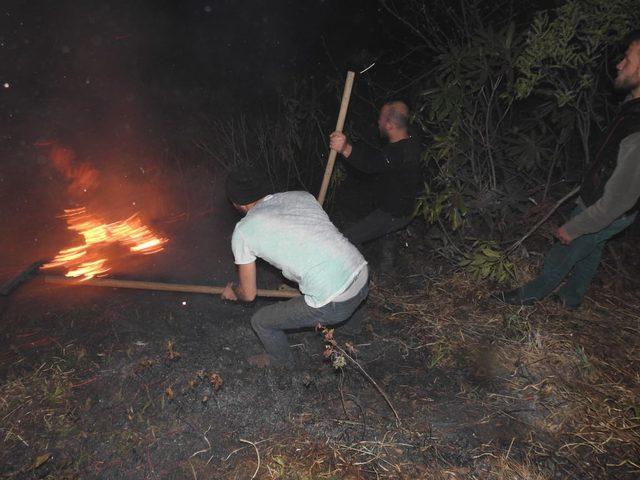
{"x":399,"y":119}
{"x":631,"y":37}
{"x":244,"y":187}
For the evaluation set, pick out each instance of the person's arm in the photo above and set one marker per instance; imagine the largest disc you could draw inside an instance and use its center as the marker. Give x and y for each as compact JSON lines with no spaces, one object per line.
{"x":246,"y":261}
{"x":247,"y":289}
{"x":621,"y":192}
{"x":362,"y":157}
{"x":338,"y":142}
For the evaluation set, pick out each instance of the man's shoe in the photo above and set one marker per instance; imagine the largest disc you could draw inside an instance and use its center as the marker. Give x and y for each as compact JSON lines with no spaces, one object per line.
{"x":513,"y":297}
{"x":559,"y":300}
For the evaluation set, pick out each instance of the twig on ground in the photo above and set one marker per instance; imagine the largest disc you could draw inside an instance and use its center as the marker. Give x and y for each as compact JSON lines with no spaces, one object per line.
{"x":344,"y":408}
{"x":242,"y":448}
{"x":206,"y":440}
{"x":373,"y":382}
{"x":330,"y":353}
{"x":257,"y":454}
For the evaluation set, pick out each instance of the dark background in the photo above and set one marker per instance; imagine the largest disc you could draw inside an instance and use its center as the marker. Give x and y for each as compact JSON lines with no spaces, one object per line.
{"x":107,"y":59}
{"x":126,"y":85}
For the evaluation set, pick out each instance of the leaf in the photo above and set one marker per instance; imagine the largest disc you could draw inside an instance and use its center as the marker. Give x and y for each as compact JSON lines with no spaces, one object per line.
{"x":339,"y":362}
{"x":170,"y":353}
{"x":216,"y":381}
{"x":41,"y":460}
{"x":490,"y":253}
{"x":169,"y":393}
{"x":328,"y":334}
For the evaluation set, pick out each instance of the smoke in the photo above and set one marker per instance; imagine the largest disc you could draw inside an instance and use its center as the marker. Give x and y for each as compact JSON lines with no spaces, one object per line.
{"x":81,"y":175}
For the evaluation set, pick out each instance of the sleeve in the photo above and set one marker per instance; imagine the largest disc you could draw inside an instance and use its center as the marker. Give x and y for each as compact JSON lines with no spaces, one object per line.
{"x":621,"y":192}
{"x":367,"y":159}
{"x":242,"y":253}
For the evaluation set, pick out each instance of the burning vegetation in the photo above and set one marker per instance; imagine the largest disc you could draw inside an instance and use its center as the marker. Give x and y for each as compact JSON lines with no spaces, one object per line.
{"x":100,"y":241}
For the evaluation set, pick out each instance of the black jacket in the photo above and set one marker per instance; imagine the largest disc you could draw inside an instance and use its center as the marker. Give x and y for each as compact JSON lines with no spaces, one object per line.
{"x":397,"y":170}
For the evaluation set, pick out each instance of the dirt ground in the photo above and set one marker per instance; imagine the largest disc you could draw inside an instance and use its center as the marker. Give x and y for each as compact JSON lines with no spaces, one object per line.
{"x":115,"y":384}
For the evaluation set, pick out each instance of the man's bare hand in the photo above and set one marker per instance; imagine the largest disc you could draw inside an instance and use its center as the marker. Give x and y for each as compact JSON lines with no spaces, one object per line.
{"x":338,"y":142}
{"x":562,"y":235}
{"x":228,"y":293}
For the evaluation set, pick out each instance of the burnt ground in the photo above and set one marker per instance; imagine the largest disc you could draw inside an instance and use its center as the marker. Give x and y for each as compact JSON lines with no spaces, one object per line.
{"x":106,"y":383}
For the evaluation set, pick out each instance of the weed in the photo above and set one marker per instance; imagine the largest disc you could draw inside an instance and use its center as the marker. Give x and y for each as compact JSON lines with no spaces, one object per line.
{"x":56,"y":395}
{"x":584,"y":365}
{"x":171,"y":353}
{"x":515,"y":327}
{"x":488,"y":262}
{"x":439,"y":352}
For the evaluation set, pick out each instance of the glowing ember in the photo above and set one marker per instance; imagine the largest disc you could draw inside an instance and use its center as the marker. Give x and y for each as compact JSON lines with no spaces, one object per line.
{"x":89,"y":260}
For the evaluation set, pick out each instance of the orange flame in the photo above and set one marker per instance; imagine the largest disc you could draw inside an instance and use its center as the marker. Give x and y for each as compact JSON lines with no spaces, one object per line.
{"x":85,"y":260}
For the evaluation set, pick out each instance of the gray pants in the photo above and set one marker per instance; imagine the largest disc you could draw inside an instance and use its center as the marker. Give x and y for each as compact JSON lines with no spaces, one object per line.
{"x":270,"y":322}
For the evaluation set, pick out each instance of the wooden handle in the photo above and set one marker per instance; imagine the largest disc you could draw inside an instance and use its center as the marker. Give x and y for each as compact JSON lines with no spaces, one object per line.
{"x":167,"y":287}
{"x":344,"y":105}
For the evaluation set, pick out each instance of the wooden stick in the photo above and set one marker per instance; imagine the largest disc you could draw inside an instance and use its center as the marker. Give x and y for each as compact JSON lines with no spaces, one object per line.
{"x":25,"y":275}
{"x":167,"y":287}
{"x":517,"y":244}
{"x":346,"y":95}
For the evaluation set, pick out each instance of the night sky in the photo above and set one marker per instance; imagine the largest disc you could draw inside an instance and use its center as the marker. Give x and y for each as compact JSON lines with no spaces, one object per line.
{"x":236,"y":50}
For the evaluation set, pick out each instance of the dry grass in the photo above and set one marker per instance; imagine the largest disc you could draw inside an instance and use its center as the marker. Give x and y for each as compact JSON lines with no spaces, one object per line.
{"x":311,"y":460}
{"x":569,"y":381}
{"x":532,"y":393}
{"x":38,"y":403}
{"x":576,"y":374}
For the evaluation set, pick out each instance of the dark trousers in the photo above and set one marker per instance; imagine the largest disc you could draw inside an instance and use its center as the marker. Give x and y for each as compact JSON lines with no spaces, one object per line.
{"x":375,"y":225}
{"x":271,"y":322}
{"x":577,"y":262}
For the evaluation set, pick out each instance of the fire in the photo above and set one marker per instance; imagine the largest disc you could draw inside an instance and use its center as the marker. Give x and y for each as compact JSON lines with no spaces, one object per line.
{"x":88,"y":260}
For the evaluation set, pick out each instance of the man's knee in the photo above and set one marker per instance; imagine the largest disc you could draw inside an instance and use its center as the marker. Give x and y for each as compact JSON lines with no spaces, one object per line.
{"x":257,"y":322}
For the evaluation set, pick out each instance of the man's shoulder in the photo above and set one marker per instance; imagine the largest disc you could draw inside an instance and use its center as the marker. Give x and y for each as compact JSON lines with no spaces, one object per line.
{"x":408,"y":150}
{"x":278,"y":203}
{"x":288,"y":198}
{"x":631,"y":141}
{"x":295,"y":194}
{"x":414,"y":146}
{"x":239,"y":228}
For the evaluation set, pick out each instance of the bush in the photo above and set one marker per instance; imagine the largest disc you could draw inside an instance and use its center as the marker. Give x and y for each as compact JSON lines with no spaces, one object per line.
{"x":289,"y":146}
{"x":509,"y":97}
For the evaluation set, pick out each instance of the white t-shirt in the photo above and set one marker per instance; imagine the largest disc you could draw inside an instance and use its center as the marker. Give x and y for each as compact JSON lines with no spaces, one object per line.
{"x":292,"y":232}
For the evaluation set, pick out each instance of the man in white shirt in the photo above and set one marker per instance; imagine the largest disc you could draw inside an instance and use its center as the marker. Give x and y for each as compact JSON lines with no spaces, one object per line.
{"x":292,"y":232}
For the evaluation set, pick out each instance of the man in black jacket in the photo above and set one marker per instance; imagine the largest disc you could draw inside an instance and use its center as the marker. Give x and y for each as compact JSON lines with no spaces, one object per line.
{"x":396,"y":167}
{"x":609,"y":200}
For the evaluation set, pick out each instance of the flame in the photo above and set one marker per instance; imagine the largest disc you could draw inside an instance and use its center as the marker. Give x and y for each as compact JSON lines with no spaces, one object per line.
{"x":86,"y":260}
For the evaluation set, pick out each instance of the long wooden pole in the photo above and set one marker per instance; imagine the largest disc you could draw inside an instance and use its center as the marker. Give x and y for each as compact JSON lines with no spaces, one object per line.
{"x":167,"y":287}
{"x":513,"y":247}
{"x":344,"y":104}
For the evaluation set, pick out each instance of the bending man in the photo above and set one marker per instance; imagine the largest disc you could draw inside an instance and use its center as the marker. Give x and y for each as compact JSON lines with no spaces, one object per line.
{"x":292,"y":232}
